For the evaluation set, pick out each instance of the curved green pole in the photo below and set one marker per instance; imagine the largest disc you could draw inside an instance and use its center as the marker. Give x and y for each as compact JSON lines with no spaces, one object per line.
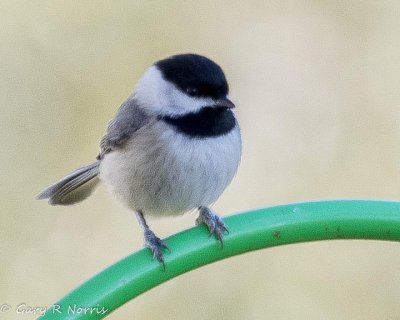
{"x":262,"y":228}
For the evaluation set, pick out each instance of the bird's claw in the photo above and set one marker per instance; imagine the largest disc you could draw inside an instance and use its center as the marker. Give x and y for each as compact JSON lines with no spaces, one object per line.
{"x":214,"y":223}
{"x":156,"y":245}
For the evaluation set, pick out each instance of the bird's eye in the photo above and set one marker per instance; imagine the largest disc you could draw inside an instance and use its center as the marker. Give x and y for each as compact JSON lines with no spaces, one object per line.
{"x":221,"y":91}
{"x":192,"y":91}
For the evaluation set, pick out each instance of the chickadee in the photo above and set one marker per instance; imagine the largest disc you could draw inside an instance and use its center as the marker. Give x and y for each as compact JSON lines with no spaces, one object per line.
{"x":173,"y":146}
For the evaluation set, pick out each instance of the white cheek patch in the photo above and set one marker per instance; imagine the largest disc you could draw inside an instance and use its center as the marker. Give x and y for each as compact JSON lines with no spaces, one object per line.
{"x":161,"y":97}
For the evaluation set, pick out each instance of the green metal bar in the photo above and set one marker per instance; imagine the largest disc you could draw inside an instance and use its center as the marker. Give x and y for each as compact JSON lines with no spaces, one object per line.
{"x":193,"y":248}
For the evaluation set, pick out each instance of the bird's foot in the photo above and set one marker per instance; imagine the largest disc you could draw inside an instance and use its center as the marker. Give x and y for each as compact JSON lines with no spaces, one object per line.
{"x":213,"y":222}
{"x":151,"y":241}
{"x":156,"y":245}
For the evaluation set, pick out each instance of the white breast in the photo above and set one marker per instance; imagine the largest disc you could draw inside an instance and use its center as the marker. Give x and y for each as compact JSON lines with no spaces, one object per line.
{"x":162,"y":172}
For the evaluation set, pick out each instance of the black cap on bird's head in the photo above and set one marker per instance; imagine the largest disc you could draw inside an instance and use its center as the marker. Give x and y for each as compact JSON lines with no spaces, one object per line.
{"x":194,"y":75}
{"x":182,"y":84}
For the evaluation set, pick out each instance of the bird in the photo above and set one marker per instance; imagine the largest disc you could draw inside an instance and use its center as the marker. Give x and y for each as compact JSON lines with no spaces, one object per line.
{"x":173,"y":147}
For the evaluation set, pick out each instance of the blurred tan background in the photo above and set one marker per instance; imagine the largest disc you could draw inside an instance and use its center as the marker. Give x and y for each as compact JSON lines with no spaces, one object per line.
{"x":317,"y":89}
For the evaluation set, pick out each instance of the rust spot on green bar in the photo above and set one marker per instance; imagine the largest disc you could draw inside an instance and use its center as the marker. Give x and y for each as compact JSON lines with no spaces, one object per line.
{"x":276,"y":234}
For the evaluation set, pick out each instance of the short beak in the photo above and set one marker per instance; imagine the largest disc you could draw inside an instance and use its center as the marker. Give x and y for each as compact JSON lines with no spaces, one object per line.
{"x":224,"y":103}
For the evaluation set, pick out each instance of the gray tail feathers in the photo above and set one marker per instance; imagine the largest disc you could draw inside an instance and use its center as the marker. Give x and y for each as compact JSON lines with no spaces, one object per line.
{"x":75,"y":187}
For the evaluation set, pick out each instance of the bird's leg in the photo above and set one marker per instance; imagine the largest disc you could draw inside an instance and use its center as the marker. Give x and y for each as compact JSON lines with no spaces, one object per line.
{"x":154,"y":243}
{"x":214,"y":223}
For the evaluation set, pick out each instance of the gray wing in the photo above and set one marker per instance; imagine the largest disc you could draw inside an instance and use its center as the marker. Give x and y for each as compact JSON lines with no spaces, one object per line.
{"x":129,"y":118}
